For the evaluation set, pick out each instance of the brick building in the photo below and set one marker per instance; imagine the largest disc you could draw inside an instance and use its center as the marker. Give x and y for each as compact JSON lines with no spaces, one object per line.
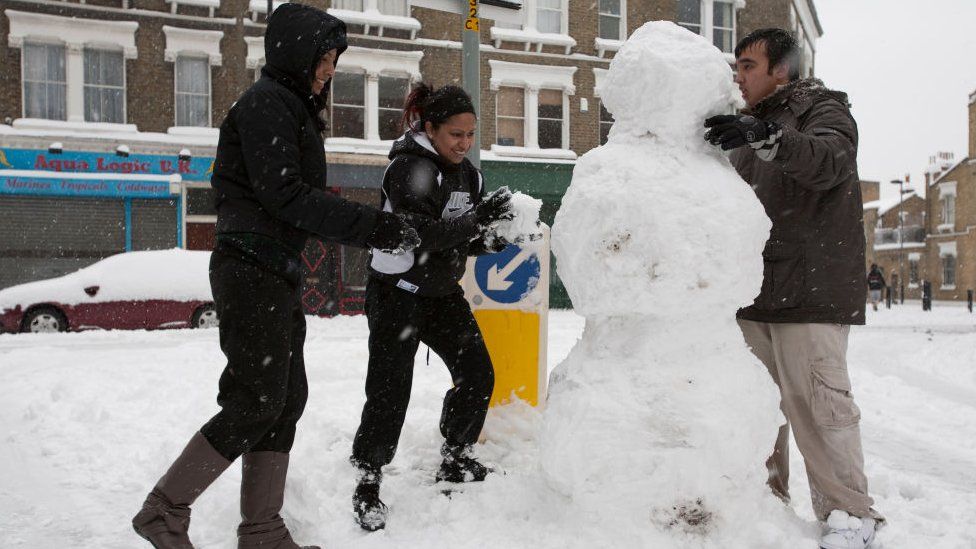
{"x":937,"y":240}
{"x":128,"y":94}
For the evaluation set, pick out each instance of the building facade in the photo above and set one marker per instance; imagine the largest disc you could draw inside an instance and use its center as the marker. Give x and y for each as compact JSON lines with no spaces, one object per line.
{"x":936,"y":242}
{"x":110,"y":110}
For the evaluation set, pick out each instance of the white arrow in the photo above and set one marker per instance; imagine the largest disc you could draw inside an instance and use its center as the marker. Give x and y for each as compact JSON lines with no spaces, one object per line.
{"x":497,"y":277}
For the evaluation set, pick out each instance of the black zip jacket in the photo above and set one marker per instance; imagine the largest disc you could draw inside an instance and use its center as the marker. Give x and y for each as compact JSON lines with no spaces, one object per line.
{"x":269,"y":173}
{"x":437,"y":197}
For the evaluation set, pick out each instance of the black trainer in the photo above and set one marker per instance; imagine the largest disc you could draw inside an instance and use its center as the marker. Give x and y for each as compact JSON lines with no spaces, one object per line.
{"x":366,"y":503}
{"x":460,"y":466}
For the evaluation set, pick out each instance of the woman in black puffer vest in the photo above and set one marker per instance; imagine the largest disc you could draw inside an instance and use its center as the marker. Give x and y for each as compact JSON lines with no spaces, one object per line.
{"x":415,"y":297}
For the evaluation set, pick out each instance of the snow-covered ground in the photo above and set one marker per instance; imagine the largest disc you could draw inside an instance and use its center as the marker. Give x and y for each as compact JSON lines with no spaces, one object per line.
{"x":90,"y":420}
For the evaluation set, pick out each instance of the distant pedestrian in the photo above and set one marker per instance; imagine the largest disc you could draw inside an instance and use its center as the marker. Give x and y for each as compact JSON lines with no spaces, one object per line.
{"x":876,"y":284}
{"x":269,"y":179}
{"x":415,"y":298}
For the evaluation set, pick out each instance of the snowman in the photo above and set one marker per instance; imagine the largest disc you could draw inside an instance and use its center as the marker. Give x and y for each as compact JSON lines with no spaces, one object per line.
{"x":659,"y":421}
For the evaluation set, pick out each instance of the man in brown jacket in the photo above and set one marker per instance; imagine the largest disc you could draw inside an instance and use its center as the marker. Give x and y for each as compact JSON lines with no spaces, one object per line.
{"x":796,"y":144}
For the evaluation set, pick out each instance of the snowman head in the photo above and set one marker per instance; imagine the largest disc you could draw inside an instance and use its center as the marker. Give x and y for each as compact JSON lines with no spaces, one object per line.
{"x":665,"y":81}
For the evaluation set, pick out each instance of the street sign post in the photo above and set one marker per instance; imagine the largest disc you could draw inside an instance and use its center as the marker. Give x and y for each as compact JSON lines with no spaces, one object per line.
{"x":509,"y":295}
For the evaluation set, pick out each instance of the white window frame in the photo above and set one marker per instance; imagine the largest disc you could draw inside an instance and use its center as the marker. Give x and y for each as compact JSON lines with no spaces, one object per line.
{"x":948,"y":249}
{"x":76,"y":35}
{"x":533,"y":78}
{"x":522,"y":118}
{"x":23,"y":74}
{"x":604,"y":45}
{"x":529,"y":34}
{"x":947,"y":189}
{"x":376,"y":62}
{"x":125,"y":83}
{"x":176,"y":92}
{"x":707,"y":23}
{"x":193,"y":43}
{"x":371,"y":18}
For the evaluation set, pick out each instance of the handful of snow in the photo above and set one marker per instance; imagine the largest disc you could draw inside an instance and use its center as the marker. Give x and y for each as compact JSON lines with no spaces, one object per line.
{"x":524,"y":225}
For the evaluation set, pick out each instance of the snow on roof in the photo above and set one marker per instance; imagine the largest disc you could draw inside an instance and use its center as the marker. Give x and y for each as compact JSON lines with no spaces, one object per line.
{"x":887,"y":204}
{"x":175,"y":274}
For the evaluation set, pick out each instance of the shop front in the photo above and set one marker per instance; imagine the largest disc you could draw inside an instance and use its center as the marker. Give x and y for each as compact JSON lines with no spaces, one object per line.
{"x":63,"y":210}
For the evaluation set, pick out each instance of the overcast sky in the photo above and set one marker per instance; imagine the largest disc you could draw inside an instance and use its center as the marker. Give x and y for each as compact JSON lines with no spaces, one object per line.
{"x":909,"y":67}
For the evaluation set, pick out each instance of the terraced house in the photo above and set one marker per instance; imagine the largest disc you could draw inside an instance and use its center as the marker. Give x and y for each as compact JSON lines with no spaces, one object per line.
{"x":110,"y":109}
{"x":936,"y":239}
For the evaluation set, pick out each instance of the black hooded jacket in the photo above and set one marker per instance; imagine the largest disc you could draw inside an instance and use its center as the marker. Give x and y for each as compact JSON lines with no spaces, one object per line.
{"x":269,"y":173}
{"x":437,"y":197}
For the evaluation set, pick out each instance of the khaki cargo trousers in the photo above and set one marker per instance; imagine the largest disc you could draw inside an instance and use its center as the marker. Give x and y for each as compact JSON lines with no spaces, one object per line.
{"x":808,"y":362}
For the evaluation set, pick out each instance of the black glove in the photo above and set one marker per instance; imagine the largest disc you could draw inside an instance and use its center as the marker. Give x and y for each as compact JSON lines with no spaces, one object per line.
{"x":392,"y":234}
{"x":494,"y":242}
{"x":496,"y":206}
{"x":731,"y":131}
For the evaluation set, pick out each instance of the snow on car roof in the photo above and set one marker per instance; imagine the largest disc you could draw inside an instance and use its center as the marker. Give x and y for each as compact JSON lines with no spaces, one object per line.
{"x":178,"y":275}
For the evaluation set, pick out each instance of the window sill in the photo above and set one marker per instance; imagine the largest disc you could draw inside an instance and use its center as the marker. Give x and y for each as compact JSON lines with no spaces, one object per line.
{"x":373,"y":18}
{"x":946,"y":227}
{"x":531,"y":37}
{"x":194,"y":131}
{"x":211,"y":4}
{"x":360,"y":146}
{"x":604,"y":45}
{"x":912,"y":286}
{"x":533,"y":152}
{"x":41,"y":124}
{"x":953,"y":287}
{"x":260,"y":7}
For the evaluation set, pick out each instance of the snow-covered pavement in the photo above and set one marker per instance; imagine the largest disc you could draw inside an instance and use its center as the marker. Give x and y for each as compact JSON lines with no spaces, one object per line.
{"x":90,"y":420}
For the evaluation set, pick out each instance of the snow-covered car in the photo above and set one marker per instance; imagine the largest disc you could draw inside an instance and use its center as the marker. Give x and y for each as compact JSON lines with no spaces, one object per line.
{"x":128,"y":291}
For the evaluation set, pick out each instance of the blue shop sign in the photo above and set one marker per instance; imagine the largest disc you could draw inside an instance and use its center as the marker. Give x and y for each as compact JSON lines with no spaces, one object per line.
{"x":91,"y":187}
{"x":194,"y":169}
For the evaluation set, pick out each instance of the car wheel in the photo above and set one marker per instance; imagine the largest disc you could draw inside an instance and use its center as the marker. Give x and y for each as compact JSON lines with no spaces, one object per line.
{"x":45,"y":320}
{"x":205,"y":317}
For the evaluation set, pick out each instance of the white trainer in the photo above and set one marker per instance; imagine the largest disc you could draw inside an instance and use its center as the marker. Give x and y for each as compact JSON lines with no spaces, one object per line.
{"x":845,"y":531}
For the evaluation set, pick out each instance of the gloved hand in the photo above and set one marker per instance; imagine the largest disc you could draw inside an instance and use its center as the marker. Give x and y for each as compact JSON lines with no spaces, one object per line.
{"x":392,"y":234}
{"x":496,"y":206}
{"x":731,"y":131}
{"x":494,"y":242}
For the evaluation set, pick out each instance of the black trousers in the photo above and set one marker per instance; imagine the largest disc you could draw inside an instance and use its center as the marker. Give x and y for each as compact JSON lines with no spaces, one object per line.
{"x":398,"y":322}
{"x":263,"y":389}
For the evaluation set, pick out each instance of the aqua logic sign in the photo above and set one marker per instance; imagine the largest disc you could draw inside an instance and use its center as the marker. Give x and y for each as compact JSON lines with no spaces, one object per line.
{"x":193,"y":169}
{"x":505,"y":277}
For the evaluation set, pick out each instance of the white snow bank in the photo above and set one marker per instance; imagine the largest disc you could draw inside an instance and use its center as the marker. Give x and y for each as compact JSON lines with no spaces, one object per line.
{"x":92,"y":419}
{"x":175,"y":274}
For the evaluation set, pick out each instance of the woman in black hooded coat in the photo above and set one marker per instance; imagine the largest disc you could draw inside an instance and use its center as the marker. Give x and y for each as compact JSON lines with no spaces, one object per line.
{"x":269,"y":178}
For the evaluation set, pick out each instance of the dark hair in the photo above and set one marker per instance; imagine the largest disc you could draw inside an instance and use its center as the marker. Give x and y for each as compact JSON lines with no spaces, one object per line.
{"x":425,"y":104}
{"x":781,"y":47}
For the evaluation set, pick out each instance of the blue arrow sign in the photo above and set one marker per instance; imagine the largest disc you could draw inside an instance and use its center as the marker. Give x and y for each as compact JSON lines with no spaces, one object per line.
{"x":507,"y":276}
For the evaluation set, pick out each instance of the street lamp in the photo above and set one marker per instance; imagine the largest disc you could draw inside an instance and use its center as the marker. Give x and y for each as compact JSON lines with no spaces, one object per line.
{"x":901,"y":238}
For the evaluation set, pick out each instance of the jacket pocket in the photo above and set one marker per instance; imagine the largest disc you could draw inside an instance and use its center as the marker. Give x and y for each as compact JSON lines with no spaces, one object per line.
{"x":832,"y":401}
{"x":784,"y":274}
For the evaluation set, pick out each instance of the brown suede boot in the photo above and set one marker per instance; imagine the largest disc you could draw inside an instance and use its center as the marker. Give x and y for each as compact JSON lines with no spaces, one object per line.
{"x":165,"y":516}
{"x":262,"y":495}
